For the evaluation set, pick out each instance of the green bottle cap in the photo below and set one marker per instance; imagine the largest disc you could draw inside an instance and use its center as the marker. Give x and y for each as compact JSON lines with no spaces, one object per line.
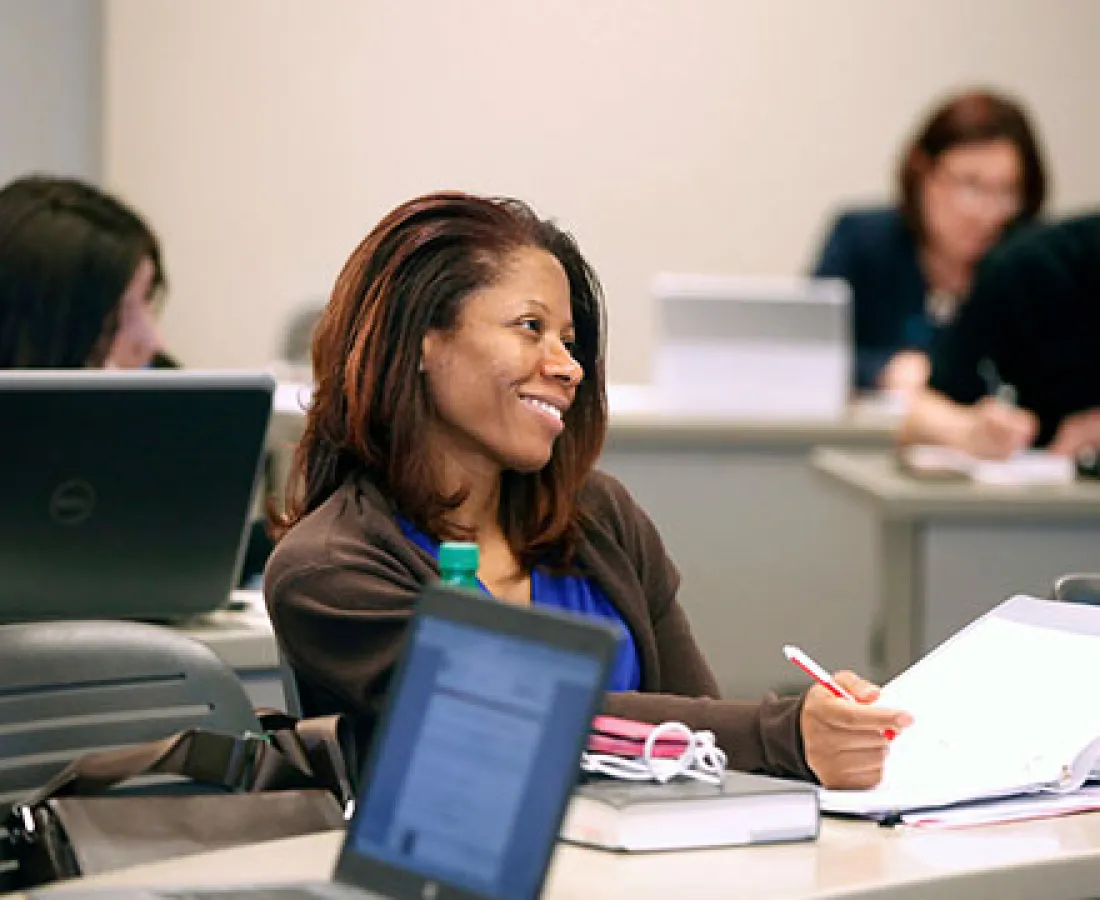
{"x":458,"y":556}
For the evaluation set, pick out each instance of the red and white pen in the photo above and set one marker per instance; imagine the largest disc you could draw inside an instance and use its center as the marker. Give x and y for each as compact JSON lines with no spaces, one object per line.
{"x":818,"y":674}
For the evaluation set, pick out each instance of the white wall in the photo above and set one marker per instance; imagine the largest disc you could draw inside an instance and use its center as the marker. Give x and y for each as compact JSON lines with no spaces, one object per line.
{"x":265,"y":137}
{"x":50,"y":87}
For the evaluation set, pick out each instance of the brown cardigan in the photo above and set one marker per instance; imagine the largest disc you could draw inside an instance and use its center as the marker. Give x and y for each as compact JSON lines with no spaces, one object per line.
{"x":341,"y":585}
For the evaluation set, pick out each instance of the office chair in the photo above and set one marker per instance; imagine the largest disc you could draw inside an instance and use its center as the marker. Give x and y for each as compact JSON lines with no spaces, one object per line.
{"x":291,"y":694}
{"x":71,"y":687}
{"x":298,"y":333}
{"x":292,"y":362}
{"x":68,"y":688}
{"x":1078,"y":587}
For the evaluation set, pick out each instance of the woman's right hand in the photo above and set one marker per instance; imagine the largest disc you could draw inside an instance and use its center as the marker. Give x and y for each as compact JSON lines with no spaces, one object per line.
{"x":998,"y":430}
{"x":906,"y":372}
{"x":845,"y":743}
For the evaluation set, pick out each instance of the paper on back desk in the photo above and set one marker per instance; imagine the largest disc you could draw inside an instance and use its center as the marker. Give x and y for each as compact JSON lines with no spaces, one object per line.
{"x":1027,"y":467}
{"x":1001,"y":708}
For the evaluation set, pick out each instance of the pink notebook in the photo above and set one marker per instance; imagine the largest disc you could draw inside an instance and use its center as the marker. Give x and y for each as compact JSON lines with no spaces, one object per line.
{"x":626,"y":737}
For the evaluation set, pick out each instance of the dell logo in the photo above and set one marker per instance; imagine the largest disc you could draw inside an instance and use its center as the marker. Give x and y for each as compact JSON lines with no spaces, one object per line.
{"x":72,"y":502}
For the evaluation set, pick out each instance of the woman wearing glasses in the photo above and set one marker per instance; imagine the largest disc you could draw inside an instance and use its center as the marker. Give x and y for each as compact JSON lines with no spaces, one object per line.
{"x":972,"y":172}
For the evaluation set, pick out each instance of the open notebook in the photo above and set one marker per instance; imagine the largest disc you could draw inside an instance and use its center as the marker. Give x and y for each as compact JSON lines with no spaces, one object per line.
{"x":1010,"y":705}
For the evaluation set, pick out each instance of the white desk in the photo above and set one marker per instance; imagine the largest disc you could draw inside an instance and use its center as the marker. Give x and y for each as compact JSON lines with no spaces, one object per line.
{"x":764,"y":549}
{"x":943,"y":553}
{"x":242,"y":636}
{"x":1048,"y":859}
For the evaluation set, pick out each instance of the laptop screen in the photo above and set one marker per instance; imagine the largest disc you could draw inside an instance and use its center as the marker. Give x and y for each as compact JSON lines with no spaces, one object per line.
{"x":127,"y":494}
{"x":472,"y":768}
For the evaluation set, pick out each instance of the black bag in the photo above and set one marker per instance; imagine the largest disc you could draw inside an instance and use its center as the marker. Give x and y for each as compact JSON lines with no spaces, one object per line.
{"x":291,"y":779}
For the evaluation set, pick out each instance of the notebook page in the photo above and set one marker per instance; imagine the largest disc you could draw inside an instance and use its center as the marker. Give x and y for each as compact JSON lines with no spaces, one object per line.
{"x":1012,"y":809}
{"x":1026,"y":467}
{"x":1001,"y":708}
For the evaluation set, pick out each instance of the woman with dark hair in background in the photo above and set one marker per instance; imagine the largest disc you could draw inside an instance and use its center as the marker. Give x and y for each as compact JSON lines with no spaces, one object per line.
{"x":80,"y":277}
{"x":972,"y":172}
{"x":460,"y":395}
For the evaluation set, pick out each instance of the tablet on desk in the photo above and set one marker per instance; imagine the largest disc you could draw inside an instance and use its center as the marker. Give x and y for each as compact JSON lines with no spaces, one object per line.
{"x":752,"y":346}
{"x":127,"y":494}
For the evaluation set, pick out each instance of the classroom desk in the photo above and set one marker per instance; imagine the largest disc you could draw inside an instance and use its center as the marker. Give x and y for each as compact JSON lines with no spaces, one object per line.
{"x":763,"y":548}
{"x":761,"y":545}
{"x":242,"y":636}
{"x":945,"y":552}
{"x":1052,"y":859}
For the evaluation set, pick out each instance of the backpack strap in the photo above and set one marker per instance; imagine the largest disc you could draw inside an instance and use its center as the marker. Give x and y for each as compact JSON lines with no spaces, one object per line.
{"x":210,"y":757}
{"x":319,"y":745}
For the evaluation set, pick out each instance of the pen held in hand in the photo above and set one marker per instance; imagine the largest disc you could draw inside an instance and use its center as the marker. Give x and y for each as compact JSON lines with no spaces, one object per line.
{"x":996,"y":385}
{"x":818,"y":674}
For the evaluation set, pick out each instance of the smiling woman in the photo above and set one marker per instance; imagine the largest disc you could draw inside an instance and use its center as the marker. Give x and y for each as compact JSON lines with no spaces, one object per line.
{"x":503,"y":380}
{"x":460,"y":395}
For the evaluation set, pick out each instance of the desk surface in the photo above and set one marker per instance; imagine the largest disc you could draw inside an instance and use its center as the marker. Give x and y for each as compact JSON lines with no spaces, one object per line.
{"x":876,"y":477}
{"x":634,"y":419}
{"x":859,"y":426}
{"x":1049,"y":859}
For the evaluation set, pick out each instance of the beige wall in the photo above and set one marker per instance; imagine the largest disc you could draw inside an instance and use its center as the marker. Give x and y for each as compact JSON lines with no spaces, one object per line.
{"x":265,"y":137}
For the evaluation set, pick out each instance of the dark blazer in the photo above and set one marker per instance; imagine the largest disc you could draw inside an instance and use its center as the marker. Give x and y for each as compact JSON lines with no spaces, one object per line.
{"x":1033,"y":321}
{"x":342,"y":583}
{"x":875,"y":251}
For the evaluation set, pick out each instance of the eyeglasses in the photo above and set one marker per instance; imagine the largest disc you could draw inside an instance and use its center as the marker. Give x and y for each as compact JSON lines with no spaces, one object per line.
{"x":974,"y":193}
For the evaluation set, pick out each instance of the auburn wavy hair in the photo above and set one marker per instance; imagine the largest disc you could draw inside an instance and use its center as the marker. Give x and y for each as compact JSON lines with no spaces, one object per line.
{"x":410,"y":275}
{"x":975,"y":116}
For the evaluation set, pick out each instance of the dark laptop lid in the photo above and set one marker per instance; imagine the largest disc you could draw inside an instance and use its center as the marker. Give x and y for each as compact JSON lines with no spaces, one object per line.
{"x":476,"y":756}
{"x":126,"y":494}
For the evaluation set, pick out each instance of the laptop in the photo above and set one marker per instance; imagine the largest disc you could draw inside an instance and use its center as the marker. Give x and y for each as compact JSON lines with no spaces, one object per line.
{"x":472,"y":764}
{"x":126,"y":494}
{"x":753,"y":347}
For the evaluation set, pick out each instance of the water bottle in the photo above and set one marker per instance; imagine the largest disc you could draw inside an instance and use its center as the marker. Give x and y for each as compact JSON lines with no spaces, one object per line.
{"x":458,"y":564}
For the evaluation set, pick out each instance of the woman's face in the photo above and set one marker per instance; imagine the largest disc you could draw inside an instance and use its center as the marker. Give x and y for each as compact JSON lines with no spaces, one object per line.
{"x":504,"y":377}
{"x":138,"y":337}
{"x":968,"y":195}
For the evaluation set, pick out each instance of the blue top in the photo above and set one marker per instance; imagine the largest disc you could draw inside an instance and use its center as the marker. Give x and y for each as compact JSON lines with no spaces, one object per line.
{"x":875,"y":251}
{"x":571,"y":593}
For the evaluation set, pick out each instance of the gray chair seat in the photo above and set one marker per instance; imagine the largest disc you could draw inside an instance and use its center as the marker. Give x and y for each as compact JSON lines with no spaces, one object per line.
{"x":72,"y":687}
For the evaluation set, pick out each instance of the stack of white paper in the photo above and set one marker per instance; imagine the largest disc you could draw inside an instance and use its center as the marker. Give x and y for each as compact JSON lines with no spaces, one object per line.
{"x":1025,"y":468}
{"x":1005,"y":707}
